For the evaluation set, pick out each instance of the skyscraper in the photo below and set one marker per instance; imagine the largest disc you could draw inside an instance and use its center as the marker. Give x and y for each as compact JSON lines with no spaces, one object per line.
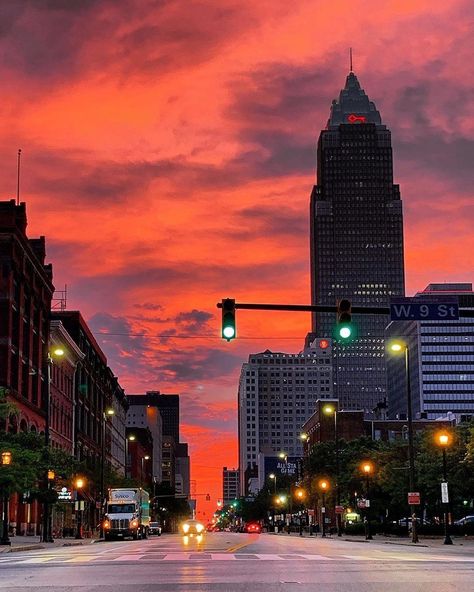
{"x":356,"y":240}
{"x":441,"y":357}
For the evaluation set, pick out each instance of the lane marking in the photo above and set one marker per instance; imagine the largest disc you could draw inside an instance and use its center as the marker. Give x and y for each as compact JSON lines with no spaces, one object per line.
{"x":239,"y":546}
{"x":34,"y":560}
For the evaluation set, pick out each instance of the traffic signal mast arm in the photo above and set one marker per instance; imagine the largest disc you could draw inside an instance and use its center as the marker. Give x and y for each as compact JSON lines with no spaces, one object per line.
{"x":381,"y":310}
{"x":384,"y":310}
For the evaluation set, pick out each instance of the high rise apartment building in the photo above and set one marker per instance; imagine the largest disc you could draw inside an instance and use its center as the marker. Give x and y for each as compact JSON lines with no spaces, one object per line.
{"x":230,"y":485}
{"x":441,"y":360}
{"x":356,"y":240}
{"x":277,"y":394}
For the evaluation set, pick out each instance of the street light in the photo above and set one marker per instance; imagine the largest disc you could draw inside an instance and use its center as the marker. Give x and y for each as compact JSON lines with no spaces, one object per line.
{"x":146,"y":457}
{"x":323,"y":486}
{"x":129,"y":438}
{"x":274,"y":477}
{"x":57,"y":352}
{"x":5,"y":540}
{"x":398,"y":347}
{"x":367,"y":468}
{"x":444,"y":439}
{"x":108,"y":412}
{"x":79,"y":484}
{"x":331,"y":410}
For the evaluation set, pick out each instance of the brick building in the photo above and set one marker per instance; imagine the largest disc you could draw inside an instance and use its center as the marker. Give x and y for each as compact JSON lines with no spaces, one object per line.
{"x":26,"y":291}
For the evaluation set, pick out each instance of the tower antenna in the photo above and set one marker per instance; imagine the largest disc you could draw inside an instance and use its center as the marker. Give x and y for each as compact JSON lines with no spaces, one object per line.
{"x":18,"y":178}
{"x":350,"y":57}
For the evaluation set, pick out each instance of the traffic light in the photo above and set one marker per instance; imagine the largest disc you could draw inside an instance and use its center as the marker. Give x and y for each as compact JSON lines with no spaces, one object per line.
{"x":228,"y":318}
{"x":344,"y":319}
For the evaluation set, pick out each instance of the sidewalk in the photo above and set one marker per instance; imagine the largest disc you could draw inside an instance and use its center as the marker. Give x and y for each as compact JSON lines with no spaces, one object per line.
{"x":31,"y":543}
{"x":388,"y":540}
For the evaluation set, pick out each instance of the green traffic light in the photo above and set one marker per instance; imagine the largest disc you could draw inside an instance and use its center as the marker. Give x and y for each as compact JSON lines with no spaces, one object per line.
{"x":229,"y":332}
{"x":345,"y":331}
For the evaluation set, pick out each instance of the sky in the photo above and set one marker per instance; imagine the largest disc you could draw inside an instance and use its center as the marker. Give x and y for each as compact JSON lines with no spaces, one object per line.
{"x":168,"y":156}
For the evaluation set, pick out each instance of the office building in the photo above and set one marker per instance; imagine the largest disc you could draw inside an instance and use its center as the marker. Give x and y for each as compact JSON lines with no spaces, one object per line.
{"x":441,"y":359}
{"x":277,"y":394}
{"x":356,"y":240}
{"x":230,"y":485}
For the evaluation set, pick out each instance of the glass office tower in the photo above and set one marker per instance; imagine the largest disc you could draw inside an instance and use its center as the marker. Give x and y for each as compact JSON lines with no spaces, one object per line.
{"x":356,"y":240}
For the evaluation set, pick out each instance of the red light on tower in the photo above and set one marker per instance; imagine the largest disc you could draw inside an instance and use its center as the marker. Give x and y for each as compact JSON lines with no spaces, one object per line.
{"x":353,"y":118}
{"x":324,"y":344}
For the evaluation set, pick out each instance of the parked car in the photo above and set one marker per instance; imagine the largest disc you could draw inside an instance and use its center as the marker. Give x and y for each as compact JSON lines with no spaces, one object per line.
{"x":403,"y":521}
{"x":466,"y":521}
{"x":154,"y":528}
{"x":253,"y":527}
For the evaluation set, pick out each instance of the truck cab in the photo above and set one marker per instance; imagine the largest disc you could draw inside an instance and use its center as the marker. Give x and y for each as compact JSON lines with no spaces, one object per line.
{"x":127,"y":514}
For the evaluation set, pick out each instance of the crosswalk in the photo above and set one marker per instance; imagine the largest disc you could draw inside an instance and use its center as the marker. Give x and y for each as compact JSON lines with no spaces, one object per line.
{"x":63,"y":559}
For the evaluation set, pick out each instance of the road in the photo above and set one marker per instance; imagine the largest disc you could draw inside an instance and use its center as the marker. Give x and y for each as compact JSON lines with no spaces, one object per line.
{"x":231,"y":562}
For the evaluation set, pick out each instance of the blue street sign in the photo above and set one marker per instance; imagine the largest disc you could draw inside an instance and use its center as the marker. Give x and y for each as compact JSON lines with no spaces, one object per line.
{"x":446,"y":308}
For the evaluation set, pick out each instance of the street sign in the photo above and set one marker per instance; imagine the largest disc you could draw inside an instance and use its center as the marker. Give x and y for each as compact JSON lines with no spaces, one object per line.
{"x":310,"y":512}
{"x":367,"y":503}
{"x":339,"y":509}
{"x":413,"y":498}
{"x":323,"y":510}
{"x":419,"y":309}
{"x":361,"y":503}
{"x":444,"y":493}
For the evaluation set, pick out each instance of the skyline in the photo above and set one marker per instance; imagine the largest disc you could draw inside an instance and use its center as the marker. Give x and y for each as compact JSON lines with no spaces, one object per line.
{"x":157,"y":141}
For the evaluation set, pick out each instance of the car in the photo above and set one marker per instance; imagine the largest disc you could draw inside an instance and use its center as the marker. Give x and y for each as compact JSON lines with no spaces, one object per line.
{"x":467,"y":520}
{"x":192,"y":527}
{"x":403,"y":521}
{"x":253,"y":527}
{"x":154,"y":528}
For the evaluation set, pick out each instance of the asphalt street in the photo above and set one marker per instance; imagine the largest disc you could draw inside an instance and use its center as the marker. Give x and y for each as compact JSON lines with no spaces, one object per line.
{"x":231,"y":562}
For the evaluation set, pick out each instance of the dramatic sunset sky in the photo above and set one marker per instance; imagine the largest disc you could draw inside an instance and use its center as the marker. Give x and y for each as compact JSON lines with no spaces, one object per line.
{"x":169,"y":154}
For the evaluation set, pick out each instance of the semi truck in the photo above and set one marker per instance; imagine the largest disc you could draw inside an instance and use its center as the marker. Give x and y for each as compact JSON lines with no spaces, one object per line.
{"x":127,"y":514}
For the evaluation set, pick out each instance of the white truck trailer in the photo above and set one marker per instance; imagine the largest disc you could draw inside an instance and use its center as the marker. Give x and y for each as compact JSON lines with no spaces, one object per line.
{"x":127,"y":514}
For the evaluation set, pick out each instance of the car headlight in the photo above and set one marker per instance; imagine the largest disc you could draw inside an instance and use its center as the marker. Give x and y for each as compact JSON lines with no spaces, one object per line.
{"x":199,"y":527}
{"x":185,"y":527}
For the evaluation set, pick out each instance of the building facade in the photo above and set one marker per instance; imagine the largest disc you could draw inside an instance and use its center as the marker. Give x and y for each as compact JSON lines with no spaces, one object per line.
{"x":63,"y":374}
{"x":441,"y":360}
{"x":26,"y":291}
{"x":277,"y":394}
{"x":182,"y":477}
{"x":356,"y":240}
{"x":350,"y":425}
{"x":230,"y":485}
{"x":144,"y":412}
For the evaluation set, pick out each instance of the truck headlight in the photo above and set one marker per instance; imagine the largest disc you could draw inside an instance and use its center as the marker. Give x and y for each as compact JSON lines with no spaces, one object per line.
{"x":134,"y":523}
{"x":106,"y":524}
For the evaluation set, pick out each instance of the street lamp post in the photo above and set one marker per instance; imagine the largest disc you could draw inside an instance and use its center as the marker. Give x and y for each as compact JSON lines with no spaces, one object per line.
{"x":130,"y":438}
{"x":79,"y":483}
{"x":47,"y":534}
{"x":109,"y":412}
{"x":146,"y":457}
{"x":330,"y":409}
{"x":323,"y":486}
{"x":398,"y":347}
{"x":367,"y":469}
{"x":5,"y":540}
{"x":444,"y":439}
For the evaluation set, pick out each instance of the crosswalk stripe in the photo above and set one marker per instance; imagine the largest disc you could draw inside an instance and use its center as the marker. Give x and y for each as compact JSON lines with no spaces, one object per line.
{"x":318,"y":557}
{"x":35,"y":560}
{"x":176,"y":556}
{"x":270,"y":557}
{"x":222,"y":556}
{"x":78,"y":559}
{"x":131,"y":557}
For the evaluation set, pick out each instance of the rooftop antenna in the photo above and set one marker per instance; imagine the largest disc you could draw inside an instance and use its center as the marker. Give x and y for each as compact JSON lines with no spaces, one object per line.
{"x":18,"y":178}
{"x":350,"y":57}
